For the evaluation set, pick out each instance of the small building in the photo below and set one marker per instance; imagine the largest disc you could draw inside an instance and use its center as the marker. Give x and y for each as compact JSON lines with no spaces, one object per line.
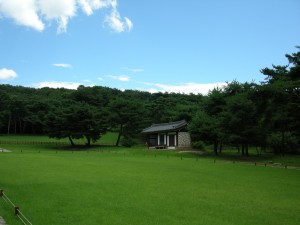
{"x":171,"y":135}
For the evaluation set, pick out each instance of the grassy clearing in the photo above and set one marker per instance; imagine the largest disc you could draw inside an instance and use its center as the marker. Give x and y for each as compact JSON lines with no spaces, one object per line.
{"x":120,"y":186}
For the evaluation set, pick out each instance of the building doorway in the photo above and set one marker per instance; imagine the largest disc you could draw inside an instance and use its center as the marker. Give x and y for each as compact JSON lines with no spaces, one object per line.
{"x":172,"y":140}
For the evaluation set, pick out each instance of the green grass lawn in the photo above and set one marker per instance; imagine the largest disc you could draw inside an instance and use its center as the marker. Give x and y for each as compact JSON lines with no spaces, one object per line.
{"x":138,"y":187}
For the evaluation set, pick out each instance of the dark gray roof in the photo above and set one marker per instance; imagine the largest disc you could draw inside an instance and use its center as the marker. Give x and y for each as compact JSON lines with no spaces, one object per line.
{"x":172,"y":126}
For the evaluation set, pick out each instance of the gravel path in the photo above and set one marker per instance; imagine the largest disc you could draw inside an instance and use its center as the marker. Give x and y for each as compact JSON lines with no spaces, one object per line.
{"x":4,"y":150}
{"x":2,"y":222}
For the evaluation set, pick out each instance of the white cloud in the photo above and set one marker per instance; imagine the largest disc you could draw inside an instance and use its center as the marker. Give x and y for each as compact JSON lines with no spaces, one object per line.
{"x":133,"y":70}
{"x":123,"y":78}
{"x":23,"y":12}
{"x":100,"y":78}
{"x":120,"y":78}
{"x":89,"y":6}
{"x":7,"y":74}
{"x":55,"y":84}
{"x":115,"y":22}
{"x":152,"y":90}
{"x":187,"y":88}
{"x":58,"y":10}
{"x":35,"y":13}
{"x":63,"y":65}
{"x":128,"y":23}
{"x":86,"y":7}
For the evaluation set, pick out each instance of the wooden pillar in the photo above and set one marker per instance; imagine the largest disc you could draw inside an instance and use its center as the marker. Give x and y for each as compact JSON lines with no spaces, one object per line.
{"x":16,"y":210}
{"x":148,"y":140}
{"x":167,"y":139}
{"x":158,"y":139}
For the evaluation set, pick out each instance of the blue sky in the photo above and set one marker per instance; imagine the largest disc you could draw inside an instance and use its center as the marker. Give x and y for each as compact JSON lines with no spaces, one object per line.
{"x":175,"y":46}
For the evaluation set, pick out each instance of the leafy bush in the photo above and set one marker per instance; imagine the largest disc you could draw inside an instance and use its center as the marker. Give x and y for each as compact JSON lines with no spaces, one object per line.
{"x":127,"y":142}
{"x":289,"y":145}
{"x":198,"y":145}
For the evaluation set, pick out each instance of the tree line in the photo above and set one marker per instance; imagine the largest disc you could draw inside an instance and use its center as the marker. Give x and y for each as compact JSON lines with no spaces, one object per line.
{"x":264,"y":115}
{"x":89,"y":112}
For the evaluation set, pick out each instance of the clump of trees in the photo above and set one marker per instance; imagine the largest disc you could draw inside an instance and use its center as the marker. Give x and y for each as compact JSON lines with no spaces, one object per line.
{"x":264,"y":115}
{"x":89,"y":112}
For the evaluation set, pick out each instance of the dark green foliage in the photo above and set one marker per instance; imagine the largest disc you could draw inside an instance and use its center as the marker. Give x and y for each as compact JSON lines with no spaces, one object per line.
{"x":241,"y":114}
{"x":288,"y":140}
{"x":283,"y":100}
{"x":89,"y":111}
{"x":244,"y":114}
{"x":127,"y":142}
{"x":206,"y":124}
{"x":126,"y":115}
{"x":76,"y":120}
{"x":199,"y":145}
{"x":205,"y":127}
{"x":4,"y":113}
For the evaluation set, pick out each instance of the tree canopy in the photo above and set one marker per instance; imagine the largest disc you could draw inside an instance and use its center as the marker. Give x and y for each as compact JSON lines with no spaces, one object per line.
{"x":88,"y":112}
{"x":247,"y":114}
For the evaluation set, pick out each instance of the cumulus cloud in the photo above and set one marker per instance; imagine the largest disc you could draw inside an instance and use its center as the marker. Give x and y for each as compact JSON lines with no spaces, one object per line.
{"x":7,"y":74}
{"x":187,"y":88}
{"x":22,"y":12}
{"x":55,"y":84}
{"x":63,"y":65}
{"x":58,"y":10}
{"x":36,"y":13}
{"x":120,"y":78}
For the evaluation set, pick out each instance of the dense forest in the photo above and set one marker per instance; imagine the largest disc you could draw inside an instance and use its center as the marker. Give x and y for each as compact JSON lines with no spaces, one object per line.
{"x":264,"y":115}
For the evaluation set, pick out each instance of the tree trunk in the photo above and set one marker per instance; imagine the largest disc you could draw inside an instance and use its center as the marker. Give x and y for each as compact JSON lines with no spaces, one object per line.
{"x":282,"y":143}
{"x":15,"y":126}
{"x":243,"y":149}
{"x":20,"y":126}
{"x":9,"y":122}
{"x":216,"y":147}
{"x":246,"y":149}
{"x":220,"y":147}
{"x":88,"y":138}
{"x":24,"y":127}
{"x":70,"y":139}
{"x":120,"y":134}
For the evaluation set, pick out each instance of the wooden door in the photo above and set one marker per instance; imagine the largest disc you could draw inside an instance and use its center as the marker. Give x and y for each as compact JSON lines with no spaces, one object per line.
{"x":172,"y":140}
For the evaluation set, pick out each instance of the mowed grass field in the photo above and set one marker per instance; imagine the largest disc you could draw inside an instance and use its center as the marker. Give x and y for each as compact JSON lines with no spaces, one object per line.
{"x":113,"y":186}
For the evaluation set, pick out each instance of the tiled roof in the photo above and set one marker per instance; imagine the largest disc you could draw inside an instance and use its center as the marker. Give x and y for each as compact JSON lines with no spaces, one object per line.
{"x":172,"y":126}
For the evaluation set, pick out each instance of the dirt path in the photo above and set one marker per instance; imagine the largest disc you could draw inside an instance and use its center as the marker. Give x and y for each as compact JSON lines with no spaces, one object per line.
{"x":2,"y":222}
{"x":4,"y":150}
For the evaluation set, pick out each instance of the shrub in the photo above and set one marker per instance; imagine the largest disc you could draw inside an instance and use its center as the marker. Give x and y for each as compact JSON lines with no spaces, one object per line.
{"x":199,"y":145}
{"x":289,"y":145}
{"x":127,"y":142}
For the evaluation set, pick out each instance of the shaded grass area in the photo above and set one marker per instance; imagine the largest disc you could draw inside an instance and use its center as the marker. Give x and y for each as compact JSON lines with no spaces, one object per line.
{"x":232,"y":155}
{"x":108,"y":138}
{"x":120,"y":186}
